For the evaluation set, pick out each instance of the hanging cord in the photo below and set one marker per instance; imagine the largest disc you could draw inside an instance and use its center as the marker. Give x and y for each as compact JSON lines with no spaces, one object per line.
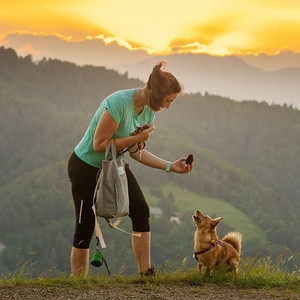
{"x":104,"y":260}
{"x":100,"y":257}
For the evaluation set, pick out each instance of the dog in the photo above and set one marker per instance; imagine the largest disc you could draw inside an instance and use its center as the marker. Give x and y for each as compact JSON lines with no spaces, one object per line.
{"x":209,"y":251}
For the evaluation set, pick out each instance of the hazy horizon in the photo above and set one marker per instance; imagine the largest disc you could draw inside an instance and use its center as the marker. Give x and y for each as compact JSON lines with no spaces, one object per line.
{"x":270,"y":78}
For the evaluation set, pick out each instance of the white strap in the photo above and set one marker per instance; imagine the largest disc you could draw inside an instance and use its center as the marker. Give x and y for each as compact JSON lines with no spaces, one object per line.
{"x":117,"y":222}
{"x":99,"y":234}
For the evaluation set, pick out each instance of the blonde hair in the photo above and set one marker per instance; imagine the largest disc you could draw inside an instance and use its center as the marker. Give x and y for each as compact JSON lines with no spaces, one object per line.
{"x":161,"y":84}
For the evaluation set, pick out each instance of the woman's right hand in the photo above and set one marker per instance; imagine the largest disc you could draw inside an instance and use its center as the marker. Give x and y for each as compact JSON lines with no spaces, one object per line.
{"x":144,"y":135}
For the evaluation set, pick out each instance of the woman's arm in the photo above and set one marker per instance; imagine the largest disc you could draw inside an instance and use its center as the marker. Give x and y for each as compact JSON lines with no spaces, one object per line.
{"x":106,"y":128}
{"x":151,"y":160}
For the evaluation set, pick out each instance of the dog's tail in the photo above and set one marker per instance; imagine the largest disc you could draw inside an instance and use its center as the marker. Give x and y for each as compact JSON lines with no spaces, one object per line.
{"x":235,"y":239}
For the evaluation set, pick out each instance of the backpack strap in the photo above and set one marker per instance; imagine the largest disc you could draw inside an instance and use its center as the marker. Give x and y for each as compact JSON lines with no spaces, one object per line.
{"x":99,"y":235}
{"x":115,"y":225}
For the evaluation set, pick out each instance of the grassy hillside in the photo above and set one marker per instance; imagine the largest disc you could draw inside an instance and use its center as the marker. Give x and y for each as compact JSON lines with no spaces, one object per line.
{"x":186,"y":201}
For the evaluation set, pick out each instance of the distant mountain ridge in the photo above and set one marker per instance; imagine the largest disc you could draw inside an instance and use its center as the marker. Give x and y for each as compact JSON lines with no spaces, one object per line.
{"x":284,"y":59}
{"x":89,"y":52}
{"x":227,"y":76}
{"x":237,"y":77}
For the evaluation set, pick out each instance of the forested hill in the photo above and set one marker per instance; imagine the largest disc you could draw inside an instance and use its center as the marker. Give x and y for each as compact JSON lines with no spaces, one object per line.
{"x":260,"y":138}
{"x":47,"y":105}
{"x":246,"y":154}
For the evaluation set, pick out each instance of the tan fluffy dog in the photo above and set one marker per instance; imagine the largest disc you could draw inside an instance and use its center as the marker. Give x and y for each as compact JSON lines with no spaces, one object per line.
{"x":209,"y":250}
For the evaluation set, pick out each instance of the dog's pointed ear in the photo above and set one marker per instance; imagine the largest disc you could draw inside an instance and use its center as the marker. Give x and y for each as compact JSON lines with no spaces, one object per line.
{"x":216,"y":221}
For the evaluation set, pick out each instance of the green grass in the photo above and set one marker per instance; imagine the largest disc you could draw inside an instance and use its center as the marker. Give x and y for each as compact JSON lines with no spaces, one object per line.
{"x":253,"y":273}
{"x":188,"y":201}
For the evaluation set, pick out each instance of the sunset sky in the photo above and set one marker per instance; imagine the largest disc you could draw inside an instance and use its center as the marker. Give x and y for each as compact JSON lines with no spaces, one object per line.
{"x":214,"y":26}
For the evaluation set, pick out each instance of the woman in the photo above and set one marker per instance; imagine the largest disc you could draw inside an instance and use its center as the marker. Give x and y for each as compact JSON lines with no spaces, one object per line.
{"x":118,"y":116}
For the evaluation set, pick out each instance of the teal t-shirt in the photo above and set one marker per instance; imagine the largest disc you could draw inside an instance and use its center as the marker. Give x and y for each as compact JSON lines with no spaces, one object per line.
{"x":121,"y":107}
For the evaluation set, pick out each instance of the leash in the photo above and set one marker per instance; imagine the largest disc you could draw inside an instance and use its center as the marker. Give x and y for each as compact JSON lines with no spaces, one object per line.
{"x":115,"y":226}
{"x":213,"y":243}
{"x":140,"y":146}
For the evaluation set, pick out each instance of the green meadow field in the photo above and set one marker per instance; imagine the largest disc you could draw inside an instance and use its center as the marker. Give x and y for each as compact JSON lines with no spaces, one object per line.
{"x":187,"y":201}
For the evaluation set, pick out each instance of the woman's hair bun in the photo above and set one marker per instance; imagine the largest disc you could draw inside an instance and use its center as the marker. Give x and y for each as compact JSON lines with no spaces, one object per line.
{"x":161,"y":83}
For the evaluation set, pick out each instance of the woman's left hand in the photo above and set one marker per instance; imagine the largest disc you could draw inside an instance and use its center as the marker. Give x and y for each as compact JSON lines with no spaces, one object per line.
{"x":179,"y":166}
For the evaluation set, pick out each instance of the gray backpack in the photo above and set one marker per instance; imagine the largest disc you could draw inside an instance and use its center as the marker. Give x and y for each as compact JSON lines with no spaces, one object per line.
{"x":111,"y":198}
{"x":111,"y":193}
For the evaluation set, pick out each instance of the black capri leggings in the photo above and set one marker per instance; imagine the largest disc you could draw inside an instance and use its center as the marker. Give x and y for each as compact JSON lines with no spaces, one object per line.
{"x":83,"y":181}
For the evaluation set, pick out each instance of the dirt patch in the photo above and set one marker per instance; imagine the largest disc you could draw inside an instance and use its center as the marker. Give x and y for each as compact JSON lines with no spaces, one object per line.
{"x":143,"y":291}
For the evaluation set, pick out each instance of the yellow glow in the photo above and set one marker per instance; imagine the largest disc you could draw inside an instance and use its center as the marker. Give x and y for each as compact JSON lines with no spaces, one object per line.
{"x":217,"y":27}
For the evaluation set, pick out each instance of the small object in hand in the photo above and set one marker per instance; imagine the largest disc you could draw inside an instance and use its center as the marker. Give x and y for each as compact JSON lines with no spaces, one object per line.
{"x":189,"y":159}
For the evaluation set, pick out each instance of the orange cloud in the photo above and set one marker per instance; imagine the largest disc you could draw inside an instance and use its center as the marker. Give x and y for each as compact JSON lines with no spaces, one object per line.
{"x":242,"y":34}
{"x":121,"y":42}
{"x":28,"y":49}
{"x":217,"y":27}
{"x":211,"y":30}
{"x":180,"y":46}
{"x":48,"y":17}
{"x":276,"y":36}
{"x":203,"y":36}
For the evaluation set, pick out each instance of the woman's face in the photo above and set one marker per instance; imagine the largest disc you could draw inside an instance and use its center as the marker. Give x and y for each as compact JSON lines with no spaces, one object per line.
{"x":168,"y":99}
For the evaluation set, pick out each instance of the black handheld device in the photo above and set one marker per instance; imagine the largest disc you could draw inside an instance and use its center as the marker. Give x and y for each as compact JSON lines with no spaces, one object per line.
{"x":189,"y":159}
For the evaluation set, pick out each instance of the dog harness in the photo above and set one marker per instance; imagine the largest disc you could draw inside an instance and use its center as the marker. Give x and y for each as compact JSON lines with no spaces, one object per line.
{"x":212,"y":244}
